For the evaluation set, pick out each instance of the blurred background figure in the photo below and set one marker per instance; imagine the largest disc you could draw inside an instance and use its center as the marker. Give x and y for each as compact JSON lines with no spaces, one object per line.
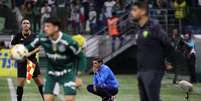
{"x":190,"y":54}
{"x":45,"y":12}
{"x":114,"y":30}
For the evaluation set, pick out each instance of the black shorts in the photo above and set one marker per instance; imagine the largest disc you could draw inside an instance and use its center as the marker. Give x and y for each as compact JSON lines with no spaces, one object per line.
{"x":22,"y":69}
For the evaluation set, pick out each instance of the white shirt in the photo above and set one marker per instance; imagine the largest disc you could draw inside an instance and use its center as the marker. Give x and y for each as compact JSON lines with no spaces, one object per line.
{"x":92,"y":16}
{"x":109,"y":5}
{"x":199,"y":2}
{"x":45,"y":11}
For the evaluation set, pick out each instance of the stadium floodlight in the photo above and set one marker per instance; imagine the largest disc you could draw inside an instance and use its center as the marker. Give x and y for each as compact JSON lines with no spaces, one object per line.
{"x":187,"y":87}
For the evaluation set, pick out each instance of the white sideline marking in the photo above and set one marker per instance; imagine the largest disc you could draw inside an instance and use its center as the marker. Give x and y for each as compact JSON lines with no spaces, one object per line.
{"x":12,"y":90}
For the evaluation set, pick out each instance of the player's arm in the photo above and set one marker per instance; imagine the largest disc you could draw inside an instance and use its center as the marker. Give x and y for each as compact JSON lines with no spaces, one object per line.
{"x":34,"y":45}
{"x":80,"y":56}
{"x":82,"y":64}
{"x":33,"y":51}
{"x":164,"y":39}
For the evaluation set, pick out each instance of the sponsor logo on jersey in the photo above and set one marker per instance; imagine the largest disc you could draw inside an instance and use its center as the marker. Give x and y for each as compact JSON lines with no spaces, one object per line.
{"x":56,"y":56}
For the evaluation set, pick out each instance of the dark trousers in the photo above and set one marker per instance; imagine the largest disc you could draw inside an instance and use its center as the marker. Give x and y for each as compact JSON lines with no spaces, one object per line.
{"x":104,"y":92}
{"x":149,"y":84}
{"x":191,"y":68}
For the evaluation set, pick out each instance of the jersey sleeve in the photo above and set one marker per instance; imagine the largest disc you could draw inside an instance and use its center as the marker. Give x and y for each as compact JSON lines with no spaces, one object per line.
{"x":15,"y":40}
{"x":82,"y":64}
{"x":34,"y":44}
{"x":80,"y":58}
{"x":75,"y":48}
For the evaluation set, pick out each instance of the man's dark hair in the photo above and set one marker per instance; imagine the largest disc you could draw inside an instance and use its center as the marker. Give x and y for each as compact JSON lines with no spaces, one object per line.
{"x":54,"y":21}
{"x":142,"y":5}
{"x":25,"y":18}
{"x":98,"y":59}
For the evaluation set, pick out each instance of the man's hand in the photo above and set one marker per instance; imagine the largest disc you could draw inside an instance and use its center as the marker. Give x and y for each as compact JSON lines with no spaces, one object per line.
{"x":94,"y":88}
{"x":168,"y":66}
{"x":94,"y":70}
{"x":78,"y":82}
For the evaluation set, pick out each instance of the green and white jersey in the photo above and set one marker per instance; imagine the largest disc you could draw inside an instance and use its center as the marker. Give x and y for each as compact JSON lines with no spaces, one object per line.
{"x":61,"y":53}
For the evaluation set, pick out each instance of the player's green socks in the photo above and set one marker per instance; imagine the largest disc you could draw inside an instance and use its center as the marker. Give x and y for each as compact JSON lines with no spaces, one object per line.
{"x":19,"y":93}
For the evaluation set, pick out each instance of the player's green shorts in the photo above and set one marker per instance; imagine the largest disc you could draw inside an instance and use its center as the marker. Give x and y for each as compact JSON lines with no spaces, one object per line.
{"x":66,"y":81}
{"x":22,"y":70}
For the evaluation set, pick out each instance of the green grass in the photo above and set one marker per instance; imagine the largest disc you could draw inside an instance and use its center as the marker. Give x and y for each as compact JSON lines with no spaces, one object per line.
{"x":128,"y":91}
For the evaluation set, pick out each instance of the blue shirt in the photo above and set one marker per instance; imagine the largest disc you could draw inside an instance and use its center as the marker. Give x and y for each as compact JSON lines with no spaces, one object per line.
{"x":105,"y":77}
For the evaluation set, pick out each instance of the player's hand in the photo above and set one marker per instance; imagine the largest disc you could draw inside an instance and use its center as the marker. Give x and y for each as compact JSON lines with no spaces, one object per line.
{"x":78,"y":82}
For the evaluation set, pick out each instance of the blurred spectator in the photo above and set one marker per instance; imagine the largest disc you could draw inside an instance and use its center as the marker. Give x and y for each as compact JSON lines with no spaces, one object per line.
{"x":82,"y":19}
{"x":7,"y":17}
{"x":19,"y":15}
{"x":180,"y":7}
{"x":93,"y":20}
{"x":29,"y":11}
{"x":75,"y":17}
{"x":109,"y":4}
{"x":176,"y":55}
{"x":99,"y":5}
{"x":2,"y":45}
{"x":37,"y":17}
{"x":85,"y":4}
{"x":199,"y":2}
{"x":45,"y":12}
{"x":114,"y":31}
{"x":161,"y":3}
{"x":51,"y":2}
{"x":62,"y":10}
{"x":19,"y":3}
{"x":190,"y":54}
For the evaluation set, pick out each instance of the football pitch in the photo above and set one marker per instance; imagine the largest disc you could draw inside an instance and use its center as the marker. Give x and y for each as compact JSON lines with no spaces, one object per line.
{"x":128,"y":90}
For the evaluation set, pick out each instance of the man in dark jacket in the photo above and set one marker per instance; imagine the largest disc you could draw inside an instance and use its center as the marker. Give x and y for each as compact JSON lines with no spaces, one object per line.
{"x":153,"y":47}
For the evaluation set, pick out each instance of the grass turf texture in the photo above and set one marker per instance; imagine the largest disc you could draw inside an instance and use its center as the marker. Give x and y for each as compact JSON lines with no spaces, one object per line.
{"x":128,"y":91}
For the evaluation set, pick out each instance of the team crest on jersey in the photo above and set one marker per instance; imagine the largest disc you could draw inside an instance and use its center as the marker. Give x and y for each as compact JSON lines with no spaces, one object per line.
{"x":62,"y":48}
{"x":145,"y":34}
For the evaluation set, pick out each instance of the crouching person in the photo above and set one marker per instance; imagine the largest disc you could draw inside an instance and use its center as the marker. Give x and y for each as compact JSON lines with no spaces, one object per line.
{"x":105,"y":83}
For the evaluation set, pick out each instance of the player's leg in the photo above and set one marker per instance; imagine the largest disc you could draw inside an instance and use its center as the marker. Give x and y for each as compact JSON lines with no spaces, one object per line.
{"x":20,"y":87}
{"x":69,"y":86}
{"x":21,"y":79}
{"x":49,"y":87}
{"x":38,"y":80}
{"x":48,"y":97}
{"x":69,"y":98}
{"x":105,"y":93}
{"x":39,"y":83}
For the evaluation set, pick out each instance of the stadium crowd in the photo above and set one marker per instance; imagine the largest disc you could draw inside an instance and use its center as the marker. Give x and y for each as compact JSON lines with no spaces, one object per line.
{"x":90,"y":16}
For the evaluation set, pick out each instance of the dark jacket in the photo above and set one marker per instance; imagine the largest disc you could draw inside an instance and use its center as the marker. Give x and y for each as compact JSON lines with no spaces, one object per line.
{"x":153,"y":46}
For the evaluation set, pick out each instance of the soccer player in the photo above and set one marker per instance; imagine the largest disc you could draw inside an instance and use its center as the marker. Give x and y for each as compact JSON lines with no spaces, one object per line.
{"x":26,"y":36}
{"x":62,"y":52}
{"x":105,"y":83}
{"x":153,"y":47}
